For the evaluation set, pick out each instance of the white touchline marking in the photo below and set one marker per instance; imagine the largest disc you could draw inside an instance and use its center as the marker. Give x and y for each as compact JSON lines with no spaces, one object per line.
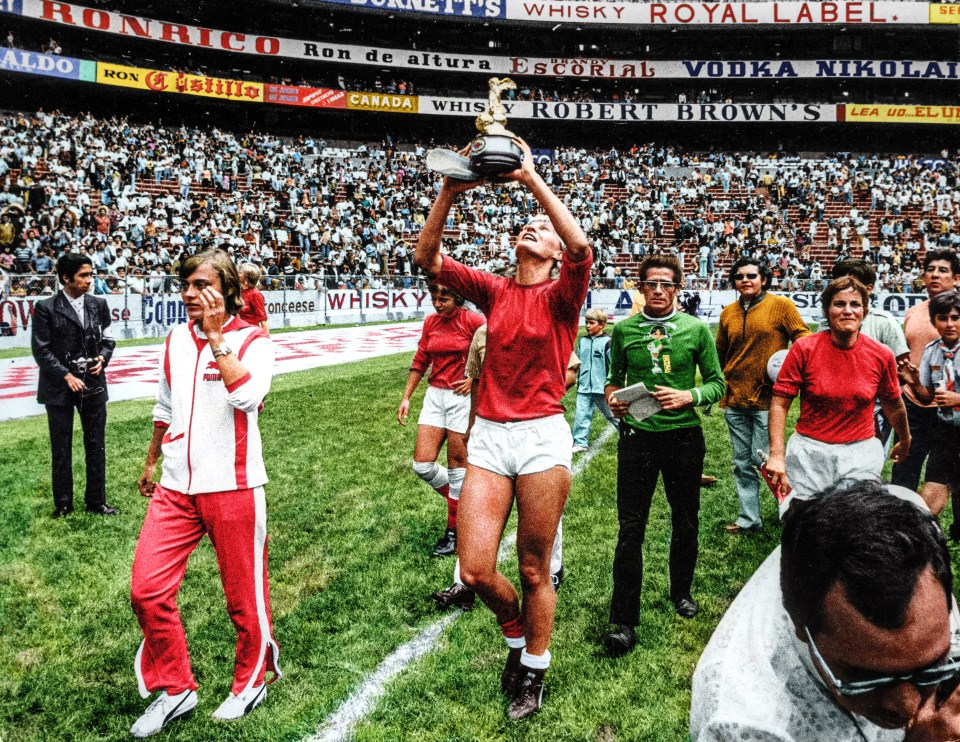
{"x":339,"y":726}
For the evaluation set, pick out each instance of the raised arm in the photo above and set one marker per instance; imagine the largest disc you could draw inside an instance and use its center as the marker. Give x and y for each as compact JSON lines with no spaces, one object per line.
{"x":427,"y":253}
{"x":568,"y":229}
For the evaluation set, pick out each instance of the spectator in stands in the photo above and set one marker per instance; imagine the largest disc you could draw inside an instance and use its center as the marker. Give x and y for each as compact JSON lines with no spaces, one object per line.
{"x":753,"y":328}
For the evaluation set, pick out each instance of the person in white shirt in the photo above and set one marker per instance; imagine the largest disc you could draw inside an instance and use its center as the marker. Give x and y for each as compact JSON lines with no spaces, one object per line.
{"x":214,"y":374}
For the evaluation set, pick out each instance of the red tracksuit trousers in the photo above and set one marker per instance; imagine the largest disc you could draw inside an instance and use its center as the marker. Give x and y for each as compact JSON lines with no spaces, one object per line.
{"x":236,"y":523}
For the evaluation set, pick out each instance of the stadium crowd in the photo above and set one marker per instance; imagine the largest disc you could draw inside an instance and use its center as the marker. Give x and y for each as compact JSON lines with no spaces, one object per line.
{"x":140,"y":198}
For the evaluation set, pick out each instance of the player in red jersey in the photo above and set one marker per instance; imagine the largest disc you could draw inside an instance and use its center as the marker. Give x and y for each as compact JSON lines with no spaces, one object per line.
{"x":445,"y":415}
{"x":519,"y":445}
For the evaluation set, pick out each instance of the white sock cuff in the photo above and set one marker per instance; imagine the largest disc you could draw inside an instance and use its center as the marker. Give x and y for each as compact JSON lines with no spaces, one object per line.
{"x":518,"y":642}
{"x":456,"y":477}
{"x":535,"y":661}
{"x":431,"y":472}
{"x":456,"y":573}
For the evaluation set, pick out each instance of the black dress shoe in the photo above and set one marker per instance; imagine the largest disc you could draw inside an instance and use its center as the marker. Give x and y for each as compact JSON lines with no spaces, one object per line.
{"x":686,"y":607}
{"x":104,"y":509}
{"x":557,"y":579}
{"x":620,"y":641}
{"x":457,"y":596}
{"x":447,"y":545}
{"x":62,"y":512}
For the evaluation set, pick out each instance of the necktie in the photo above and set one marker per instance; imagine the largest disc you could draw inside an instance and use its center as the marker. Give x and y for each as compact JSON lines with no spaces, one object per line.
{"x":949,"y":372}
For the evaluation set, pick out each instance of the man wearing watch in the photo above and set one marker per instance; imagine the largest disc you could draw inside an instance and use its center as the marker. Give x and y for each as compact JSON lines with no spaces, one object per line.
{"x":214,"y":374}
{"x":72,"y":344}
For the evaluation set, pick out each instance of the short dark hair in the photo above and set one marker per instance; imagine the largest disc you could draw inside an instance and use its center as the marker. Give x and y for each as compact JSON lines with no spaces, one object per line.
{"x":438,"y":288}
{"x":946,"y":255}
{"x":873,"y":543}
{"x":842,"y":284}
{"x":856,"y":267}
{"x":229,"y":276}
{"x":944,"y":303}
{"x":661,"y":261}
{"x":70,"y":263}
{"x":765,"y":275}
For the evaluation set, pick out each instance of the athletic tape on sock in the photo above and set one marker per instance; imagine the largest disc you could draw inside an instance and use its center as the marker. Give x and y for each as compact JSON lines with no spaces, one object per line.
{"x":535,"y":661}
{"x":432,"y":473}
{"x":456,"y":481}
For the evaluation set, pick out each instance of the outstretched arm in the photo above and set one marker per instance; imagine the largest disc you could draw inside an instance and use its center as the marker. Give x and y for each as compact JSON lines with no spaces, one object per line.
{"x":568,"y":229}
{"x":427,"y":253}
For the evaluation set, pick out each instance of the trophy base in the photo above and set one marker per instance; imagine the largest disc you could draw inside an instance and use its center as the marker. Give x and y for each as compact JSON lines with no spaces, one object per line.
{"x":494,"y":154}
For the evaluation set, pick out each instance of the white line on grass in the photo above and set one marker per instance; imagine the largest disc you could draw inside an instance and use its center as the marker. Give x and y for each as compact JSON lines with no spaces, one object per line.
{"x":340,"y":724}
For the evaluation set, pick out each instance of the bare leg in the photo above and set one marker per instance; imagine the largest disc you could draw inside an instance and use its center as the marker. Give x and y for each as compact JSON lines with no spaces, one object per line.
{"x":485,"y":503}
{"x":429,"y":442}
{"x":936,"y":496}
{"x":540,"y":501}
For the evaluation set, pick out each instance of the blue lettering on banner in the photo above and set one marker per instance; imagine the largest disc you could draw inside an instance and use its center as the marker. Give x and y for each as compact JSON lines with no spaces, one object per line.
{"x":50,"y":65}
{"x":163,"y":312}
{"x":461,"y":8}
{"x":11,"y":6}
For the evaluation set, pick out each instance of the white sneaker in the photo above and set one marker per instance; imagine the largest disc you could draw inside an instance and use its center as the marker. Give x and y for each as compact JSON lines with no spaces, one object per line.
{"x":162,"y":711}
{"x":578,"y":449}
{"x":236,"y":707}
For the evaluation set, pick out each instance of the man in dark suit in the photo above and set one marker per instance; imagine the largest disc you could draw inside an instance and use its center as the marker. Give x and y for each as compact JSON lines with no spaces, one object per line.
{"x":72,"y":344}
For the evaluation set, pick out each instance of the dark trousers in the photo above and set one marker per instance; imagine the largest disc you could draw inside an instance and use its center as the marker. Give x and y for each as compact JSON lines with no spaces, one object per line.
{"x":921,"y":421}
{"x":642,"y":457}
{"x":93,"y":419}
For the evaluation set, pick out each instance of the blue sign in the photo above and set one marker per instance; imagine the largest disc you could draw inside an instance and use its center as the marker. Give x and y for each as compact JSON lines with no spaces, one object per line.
{"x":50,"y":65}
{"x":458,"y":8}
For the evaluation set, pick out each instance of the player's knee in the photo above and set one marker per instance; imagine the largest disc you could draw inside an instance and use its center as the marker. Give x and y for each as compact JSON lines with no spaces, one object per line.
{"x":534,"y":574}
{"x":426,"y":470}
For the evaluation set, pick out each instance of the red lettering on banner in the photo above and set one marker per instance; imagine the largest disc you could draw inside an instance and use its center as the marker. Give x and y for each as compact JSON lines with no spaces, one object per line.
{"x":744,"y":18}
{"x":874,"y":18}
{"x":156,"y":80}
{"x":658,"y":11}
{"x":96,"y":19}
{"x":854,"y":12}
{"x":267,"y":45}
{"x":805,"y":14}
{"x":129,"y":25}
{"x":169,"y":30}
{"x":776,"y":15}
{"x":828,"y":12}
{"x":225,"y":41}
{"x":63,"y":9}
{"x":689,"y":12}
{"x":204,"y":37}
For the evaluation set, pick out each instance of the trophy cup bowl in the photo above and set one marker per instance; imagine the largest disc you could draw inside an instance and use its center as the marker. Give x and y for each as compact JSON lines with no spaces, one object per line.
{"x":493,"y":154}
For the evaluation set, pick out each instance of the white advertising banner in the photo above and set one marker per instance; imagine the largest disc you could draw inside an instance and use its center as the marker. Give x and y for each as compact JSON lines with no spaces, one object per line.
{"x":123,"y":24}
{"x":637,"y":112}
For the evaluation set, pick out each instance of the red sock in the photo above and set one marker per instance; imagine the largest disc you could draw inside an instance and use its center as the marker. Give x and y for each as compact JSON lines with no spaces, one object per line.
{"x":444,"y":491}
{"x":513,"y":629}
{"x":452,"y":506}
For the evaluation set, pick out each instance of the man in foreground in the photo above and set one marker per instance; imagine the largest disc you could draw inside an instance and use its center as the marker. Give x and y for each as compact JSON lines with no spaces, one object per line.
{"x":847,"y":632}
{"x":214,"y":374}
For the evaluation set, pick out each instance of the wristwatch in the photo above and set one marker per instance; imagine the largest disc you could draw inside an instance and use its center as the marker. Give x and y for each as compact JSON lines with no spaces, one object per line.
{"x":219,"y":352}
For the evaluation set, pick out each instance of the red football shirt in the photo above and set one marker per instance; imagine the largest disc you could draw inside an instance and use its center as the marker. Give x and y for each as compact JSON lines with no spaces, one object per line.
{"x":443,"y":346}
{"x":530,"y":336}
{"x":837,"y":386}
{"x":254,"y":310}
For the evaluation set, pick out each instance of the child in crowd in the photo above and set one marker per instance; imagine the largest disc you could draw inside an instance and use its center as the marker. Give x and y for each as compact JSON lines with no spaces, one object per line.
{"x":254,"y":310}
{"x":936,"y":381}
{"x":594,"y":352}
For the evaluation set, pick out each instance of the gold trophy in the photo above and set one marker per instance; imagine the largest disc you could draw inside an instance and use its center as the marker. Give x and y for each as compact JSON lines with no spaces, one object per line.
{"x":493,"y":152}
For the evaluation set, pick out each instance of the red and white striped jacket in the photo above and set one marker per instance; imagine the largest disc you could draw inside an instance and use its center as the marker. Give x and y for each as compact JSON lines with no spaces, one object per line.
{"x":212,"y":442}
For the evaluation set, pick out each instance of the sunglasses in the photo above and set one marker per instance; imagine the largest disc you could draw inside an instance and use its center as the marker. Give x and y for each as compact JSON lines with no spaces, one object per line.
{"x":741,"y":276}
{"x":665,"y":285}
{"x":927,"y":678}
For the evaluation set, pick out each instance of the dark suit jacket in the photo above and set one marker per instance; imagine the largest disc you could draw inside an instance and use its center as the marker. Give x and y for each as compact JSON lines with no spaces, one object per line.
{"x":58,"y":335}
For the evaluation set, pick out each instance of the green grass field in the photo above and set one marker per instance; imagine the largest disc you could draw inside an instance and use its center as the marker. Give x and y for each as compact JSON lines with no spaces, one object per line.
{"x":350,"y":570}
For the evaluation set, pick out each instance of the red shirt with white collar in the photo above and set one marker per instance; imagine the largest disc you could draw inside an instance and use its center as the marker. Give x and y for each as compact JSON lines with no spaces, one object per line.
{"x":530,"y":336}
{"x":212,"y":442}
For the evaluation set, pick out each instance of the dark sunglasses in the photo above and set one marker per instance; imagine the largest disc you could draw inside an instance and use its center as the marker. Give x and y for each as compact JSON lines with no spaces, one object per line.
{"x":741,"y":276}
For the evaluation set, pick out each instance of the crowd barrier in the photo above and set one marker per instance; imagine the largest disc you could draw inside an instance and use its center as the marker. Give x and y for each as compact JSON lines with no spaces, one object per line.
{"x":152,"y":315}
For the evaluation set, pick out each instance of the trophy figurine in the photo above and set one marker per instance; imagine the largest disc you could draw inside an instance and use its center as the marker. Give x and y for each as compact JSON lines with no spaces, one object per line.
{"x":493,"y":152}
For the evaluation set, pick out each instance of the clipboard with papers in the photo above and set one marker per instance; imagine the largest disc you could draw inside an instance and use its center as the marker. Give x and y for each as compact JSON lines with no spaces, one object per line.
{"x":642,"y":403}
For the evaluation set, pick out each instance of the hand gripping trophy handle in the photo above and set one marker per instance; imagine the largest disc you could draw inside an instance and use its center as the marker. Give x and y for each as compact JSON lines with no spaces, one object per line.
{"x":493,"y":152}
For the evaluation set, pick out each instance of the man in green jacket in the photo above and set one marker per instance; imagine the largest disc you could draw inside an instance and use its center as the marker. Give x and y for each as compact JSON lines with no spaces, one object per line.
{"x":662,"y":348}
{"x":751,"y":330}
